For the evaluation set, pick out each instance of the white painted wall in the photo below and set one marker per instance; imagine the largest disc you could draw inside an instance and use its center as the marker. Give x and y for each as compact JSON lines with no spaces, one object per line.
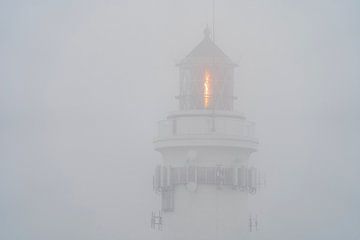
{"x":206,"y":212}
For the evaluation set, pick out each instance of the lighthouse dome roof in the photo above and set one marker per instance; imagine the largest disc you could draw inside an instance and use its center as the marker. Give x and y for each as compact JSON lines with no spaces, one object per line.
{"x":206,"y":52}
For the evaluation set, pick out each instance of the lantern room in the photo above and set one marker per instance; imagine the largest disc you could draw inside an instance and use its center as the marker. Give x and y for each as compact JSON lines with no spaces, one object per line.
{"x":206,"y":78}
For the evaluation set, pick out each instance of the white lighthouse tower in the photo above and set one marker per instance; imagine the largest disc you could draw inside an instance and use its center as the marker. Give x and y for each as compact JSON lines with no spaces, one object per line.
{"x":204,"y":179}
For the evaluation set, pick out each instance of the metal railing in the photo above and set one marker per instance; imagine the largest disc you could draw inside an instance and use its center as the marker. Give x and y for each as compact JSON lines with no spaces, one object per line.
{"x":206,"y":126}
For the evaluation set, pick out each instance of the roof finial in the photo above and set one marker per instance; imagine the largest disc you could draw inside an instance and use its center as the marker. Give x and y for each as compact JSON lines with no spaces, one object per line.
{"x":207,"y":32}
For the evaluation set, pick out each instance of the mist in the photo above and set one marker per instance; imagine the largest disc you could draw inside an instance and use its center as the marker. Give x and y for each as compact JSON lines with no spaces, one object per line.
{"x":83,"y":84}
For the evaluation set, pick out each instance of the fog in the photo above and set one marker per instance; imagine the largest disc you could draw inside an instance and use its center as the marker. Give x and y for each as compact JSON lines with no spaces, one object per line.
{"x":83,"y":83}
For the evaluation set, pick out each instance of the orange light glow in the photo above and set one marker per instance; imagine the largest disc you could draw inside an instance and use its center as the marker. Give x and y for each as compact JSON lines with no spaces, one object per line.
{"x":207,"y":88}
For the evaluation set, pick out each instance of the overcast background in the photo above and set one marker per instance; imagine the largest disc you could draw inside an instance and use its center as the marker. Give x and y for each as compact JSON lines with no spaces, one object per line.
{"x":83,"y":83}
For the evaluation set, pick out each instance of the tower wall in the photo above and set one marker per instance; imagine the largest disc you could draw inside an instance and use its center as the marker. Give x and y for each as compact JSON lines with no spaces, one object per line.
{"x":207,"y":211}
{"x":206,"y":139}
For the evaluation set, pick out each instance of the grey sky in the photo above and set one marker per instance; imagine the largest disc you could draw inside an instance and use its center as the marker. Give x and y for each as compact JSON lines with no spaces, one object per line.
{"x":83,"y":83}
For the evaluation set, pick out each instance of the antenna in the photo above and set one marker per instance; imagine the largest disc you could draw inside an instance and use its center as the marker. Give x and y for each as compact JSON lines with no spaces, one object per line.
{"x":213,"y":18}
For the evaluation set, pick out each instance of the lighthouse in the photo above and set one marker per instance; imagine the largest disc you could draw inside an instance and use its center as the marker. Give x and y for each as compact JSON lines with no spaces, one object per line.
{"x":204,"y":178}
